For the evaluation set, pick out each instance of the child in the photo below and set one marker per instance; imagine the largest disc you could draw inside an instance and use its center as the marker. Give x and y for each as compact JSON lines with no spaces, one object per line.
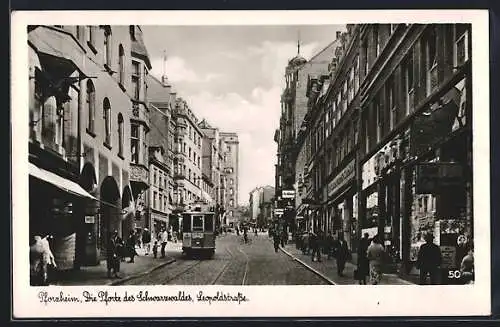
{"x":155,"y":249}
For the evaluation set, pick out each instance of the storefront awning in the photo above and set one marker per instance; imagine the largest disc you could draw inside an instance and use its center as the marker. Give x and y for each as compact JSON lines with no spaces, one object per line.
{"x":58,"y":181}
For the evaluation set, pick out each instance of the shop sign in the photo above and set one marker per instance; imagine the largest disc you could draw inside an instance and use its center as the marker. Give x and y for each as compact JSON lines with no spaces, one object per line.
{"x":380,"y":162}
{"x":433,"y":176}
{"x":89,"y":219}
{"x":345,"y":176}
{"x":371,"y":231}
{"x":158,"y":217}
{"x":448,"y":254}
{"x":278,"y":211}
{"x":288,"y":194}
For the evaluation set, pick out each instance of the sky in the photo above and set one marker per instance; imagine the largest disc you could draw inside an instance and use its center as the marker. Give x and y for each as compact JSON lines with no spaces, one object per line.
{"x":233,"y":76}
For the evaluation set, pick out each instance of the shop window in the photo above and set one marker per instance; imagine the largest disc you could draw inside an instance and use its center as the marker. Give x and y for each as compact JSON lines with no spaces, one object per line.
{"x":90,"y":101}
{"x":136,"y":80}
{"x":121,"y":134}
{"x":121,"y":64}
{"x":134,"y":143}
{"x":107,"y":122}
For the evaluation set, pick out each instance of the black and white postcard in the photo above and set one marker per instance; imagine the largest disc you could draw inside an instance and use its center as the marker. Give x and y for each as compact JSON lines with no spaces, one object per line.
{"x":250,"y":163}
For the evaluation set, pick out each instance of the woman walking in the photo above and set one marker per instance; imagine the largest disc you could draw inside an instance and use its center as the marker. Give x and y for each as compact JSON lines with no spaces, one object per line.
{"x":363,"y":269}
{"x":375,"y":254}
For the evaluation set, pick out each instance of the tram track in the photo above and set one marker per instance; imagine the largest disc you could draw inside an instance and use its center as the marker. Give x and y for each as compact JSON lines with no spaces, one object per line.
{"x":171,"y":278}
{"x":224,"y":268}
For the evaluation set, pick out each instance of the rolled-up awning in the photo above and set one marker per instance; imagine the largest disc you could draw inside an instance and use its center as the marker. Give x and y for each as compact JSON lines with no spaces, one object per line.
{"x":58,"y":181}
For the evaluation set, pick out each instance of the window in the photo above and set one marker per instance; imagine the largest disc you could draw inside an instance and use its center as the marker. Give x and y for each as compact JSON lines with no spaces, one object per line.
{"x":408,"y":81}
{"x":132,"y":32}
{"x":189,"y":174}
{"x":90,"y":106}
{"x":376,"y":41}
{"x":121,"y":64}
{"x":89,"y":35}
{"x":134,"y":143}
{"x":155,"y":196}
{"x":107,"y":47}
{"x":393,"y":28}
{"x":380,"y":117}
{"x":154,"y":176}
{"x":364,"y":48}
{"x":121,"y":134}
{"x":107,"y":121}
{"x":231,"y":191}
{"x":228,"y":148}
{"x":136,"y":79}
{"x":391,"y":103}
{"x":461,"y":45}
{"x":198,"y":223}
{"x":198,"y":161}
{"x":189,"y":153}
{"x":356,"y":75}
{"x":160,"y":202}
{"x":431,"y":60}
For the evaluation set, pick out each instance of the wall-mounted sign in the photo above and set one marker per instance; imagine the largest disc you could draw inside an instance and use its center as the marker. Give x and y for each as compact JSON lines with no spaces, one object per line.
{"x":431,"y":177}
{"x":382,"y":161}
{"x":342,"y":178}
{"x":278,"y":211}
{"x":288,"y":194}
{"x":448,"y":254}
{"x":89,"y":219}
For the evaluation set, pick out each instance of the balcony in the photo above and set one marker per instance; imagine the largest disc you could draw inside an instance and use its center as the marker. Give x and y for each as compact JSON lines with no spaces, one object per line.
{"x":139,"y":175}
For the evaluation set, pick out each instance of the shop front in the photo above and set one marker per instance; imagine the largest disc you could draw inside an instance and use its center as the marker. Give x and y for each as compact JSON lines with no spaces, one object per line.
{"x":439,"y":182}
{"x":341,"y":191}
{"x":380,"y":198}
{"x":159,"y":221}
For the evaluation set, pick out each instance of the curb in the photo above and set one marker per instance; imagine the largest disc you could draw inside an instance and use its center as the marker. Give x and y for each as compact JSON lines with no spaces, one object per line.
{"x":324,"y":277}
{"x":126,"y":279}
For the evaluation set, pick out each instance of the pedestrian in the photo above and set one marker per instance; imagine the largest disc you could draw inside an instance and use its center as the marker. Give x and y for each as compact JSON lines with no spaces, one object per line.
{"x":276,"y":239}
{"x":315,"y":245}
{"x":131,"y":243}
{"x":41,"y":261}
{"x":467,"y":267}
{"x":329,"y":245}
{"x":375,"y":255}
{"x":113,"y":254}
{"x":146,"y":240}
{"x":255,"y":231}
{"x":245,"y":234}
{"x":163,"y":240}
{"x":343,"y":254}
{"x":335,"y":245}
{"x":429,"y":260}
{"x":363,"y":268}
{"x":155,"y":249}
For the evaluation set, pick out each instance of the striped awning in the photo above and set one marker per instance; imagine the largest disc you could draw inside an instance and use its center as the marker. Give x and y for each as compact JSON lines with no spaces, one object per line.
{"x":58,"y":181}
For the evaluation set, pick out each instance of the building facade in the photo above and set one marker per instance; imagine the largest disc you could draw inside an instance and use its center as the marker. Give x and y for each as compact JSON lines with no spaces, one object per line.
{"x":80,"y":113}
{"x":388,"y":143}
{"x":230,"y":148}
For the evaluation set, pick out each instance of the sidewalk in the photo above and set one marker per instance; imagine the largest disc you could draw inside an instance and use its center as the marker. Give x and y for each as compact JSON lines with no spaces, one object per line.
{"x":97,"y":275}
{"x":327,"y":269}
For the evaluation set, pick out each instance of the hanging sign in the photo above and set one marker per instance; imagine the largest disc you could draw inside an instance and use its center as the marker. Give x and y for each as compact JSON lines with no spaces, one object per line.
{"x":288,"y":194}
{"x":89,"y":219}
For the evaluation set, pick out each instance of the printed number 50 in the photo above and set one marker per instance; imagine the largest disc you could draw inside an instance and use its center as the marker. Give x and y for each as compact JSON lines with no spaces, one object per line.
{"x":454,"y":274}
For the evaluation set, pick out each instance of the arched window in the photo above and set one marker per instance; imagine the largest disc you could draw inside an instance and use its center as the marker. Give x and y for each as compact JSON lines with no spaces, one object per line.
{"x":107,"y":47}
{"x":121,"y":63}
{"x":121,"y":134}
{"x":90,"y":100}
{"x":107,"y":121}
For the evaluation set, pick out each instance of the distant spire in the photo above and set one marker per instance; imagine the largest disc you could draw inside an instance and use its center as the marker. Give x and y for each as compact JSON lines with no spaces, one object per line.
{"x":164,"y":78}
{"x":298,"y":42}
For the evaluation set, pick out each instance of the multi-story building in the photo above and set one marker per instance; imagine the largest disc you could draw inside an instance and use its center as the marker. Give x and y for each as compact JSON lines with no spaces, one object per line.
{"x":390,"y":136}
{"x":80,"y":111}
{"x":230,"y":147}
{"x":140,"y":66}
{"x":254,"y":203}
{"x":161,"y":97}
{"x":187,"y":154}
{"x":266,"y":206}
{"x":289,"y":136}
{"x":212,"y":160}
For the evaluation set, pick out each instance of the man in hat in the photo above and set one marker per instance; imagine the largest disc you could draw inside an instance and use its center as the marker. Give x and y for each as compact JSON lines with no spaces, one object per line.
{"x":113,"y":254}
{"x":146,"y":240}
{"x":429,"y":260}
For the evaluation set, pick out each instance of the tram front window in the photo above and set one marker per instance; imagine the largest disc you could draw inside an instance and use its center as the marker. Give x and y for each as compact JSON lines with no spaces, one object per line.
{"x":197,"y":223}
{"x":209,"y":223}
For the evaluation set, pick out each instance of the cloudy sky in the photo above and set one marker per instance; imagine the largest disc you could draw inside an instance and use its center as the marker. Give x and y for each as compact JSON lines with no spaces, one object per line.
{"x":233,"y":76}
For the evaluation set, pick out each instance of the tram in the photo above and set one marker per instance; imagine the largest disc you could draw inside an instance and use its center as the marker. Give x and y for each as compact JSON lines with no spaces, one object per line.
{"x":198,"y":231}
